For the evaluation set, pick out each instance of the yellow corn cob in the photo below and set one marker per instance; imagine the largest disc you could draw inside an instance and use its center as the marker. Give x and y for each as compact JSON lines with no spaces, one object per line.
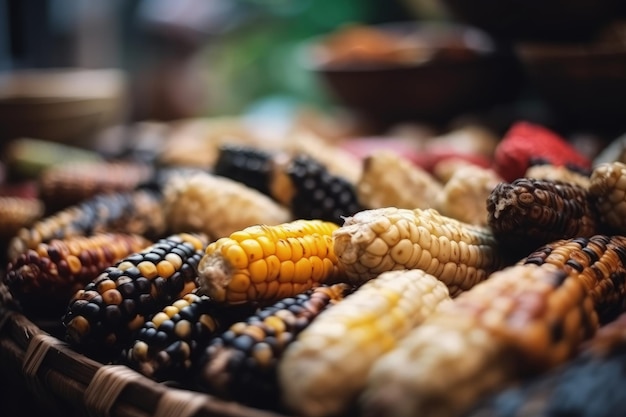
{"x":608,"y":188}
{"x":389,"y":180}
{"x":217,"y":206}
{"x":465,"y":194}
{"x":375,"y":241}
{"x":324,"y":370}
{"x":523,"y":320}
{"x":267,"y":263}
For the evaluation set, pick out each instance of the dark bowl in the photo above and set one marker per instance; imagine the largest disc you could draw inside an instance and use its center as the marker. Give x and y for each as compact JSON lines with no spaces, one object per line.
{"x":462,"y":70}
{"x":583,"y":84}
{"x":536,"y":19}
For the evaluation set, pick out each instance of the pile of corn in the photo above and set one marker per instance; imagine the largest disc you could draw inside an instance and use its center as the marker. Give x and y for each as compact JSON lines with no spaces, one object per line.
{"x":274,"y":279}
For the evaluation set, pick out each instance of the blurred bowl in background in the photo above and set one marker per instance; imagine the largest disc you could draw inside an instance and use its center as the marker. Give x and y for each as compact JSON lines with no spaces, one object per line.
{"x":536,"y":19}
{"x":62,"y":105}
{"x":584,"y":84}
{"x":427,"y":72}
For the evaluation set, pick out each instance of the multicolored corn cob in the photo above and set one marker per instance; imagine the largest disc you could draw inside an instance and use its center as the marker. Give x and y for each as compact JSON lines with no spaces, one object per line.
{"x":528,"y":213}
{"x":103,"y":317}
{"x":241,"y":363}
{"x":591,"y":385}
{"x":523,"y":320}
{"x":311,"y":192}
{"x":17,"y":213}
{"x":216,"y":206}
{"x":67,"y":184}
{"x":246,"y":164}
{"x":390,"y":180}
{"x":168,"y":345}
{"x":608,"y":189}
{"x":375,"y":241}
{"x":45,"y":278}
{"x":137,"y":212}
{"x":324,"y":370}
{"x":267,"y":263}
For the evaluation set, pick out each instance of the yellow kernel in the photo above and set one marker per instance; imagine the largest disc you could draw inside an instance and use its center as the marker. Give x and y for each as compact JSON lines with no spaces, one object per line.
{"x":275,"y":323}
{"x":237,"y":257}
{"x":105,"y":285}
{"x":253,"y":249}
{"x":137,"y":322}
{"x":287,"y":270}
{"x":182,"y":329}
{"x":268,"y":246}
{"x":197,"y":243}
{"x":329,"y":267}
{"x":258,"y":271}
{"x":317,"y":269}
{"x":252,"y":293}
{"x":159,"y":318}
{"x":165,"y":269}
{"x":308,"y":246}
{"x":171,"y":311}
{"x":283,"y":250}
{"x":240,"y":235}
{"x":147,"y":269}
{"x":297,"y":250}
{"x":174,"y":259}
{"x":188,"y":287}
{"x":237,"y":297}
{"x":322,"y":246}
{"x":239,"y":283}
{"x":78,"y":327}
{"x":285,"y":290}
{"x":272,"y":290}
{"x":140,"y":351}
{"x":302,"y":271}
{"x":273,"y":267}
{"x":180,"y":304}
{"x":74,"y":248}
{"x":124,"y":265}
{"x":112,"y":296}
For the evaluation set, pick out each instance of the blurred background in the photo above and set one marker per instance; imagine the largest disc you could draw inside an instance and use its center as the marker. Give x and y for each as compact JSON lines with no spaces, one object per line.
{"x":560,"y":63}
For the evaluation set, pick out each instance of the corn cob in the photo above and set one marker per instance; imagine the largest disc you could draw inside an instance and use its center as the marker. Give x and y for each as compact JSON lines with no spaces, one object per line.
{"x":463,"y":197}
{"x":137,"y":212}
{"x":240,"y":364}
{"x":16,"y":213}
{"x":608,"y":189}
{"x":390,"y":180}
{"x":324,"y":370}
{"x":591,"y":385}
{"x":217,"y":206}
{"x":102,"y":317}
{"x":168,"y":344}
{"x":45,"y":278}
{"x":311,"y":192}
{"x":246,"y":164}
{"x":337,"y":160}
{"x":267,"y":263}
{"x":563,"y":173}
{"x":375,"y":241}
{"x":528,"y":213}
{"x":67,"y":184}
{"x":523,"y":320}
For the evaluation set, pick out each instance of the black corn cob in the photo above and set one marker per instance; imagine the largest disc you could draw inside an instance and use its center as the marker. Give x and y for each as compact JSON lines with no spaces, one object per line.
{"x":44,"y":279}
{"x":592,"y":385}
{"x":315,"y":193}
{"x":529,"y":212}
{"x":247,"y":164}
{"x":137,"y":212}
{"x":168,"y":345}
{"x":240,"y":364}
{"x":103,"y":317}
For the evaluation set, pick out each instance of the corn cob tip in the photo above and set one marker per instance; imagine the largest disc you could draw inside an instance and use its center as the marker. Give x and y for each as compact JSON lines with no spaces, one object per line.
{"x":214,"y":277}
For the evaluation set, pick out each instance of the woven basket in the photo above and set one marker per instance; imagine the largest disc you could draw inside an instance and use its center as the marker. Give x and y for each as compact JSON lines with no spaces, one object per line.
{"x":47,"y":377}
